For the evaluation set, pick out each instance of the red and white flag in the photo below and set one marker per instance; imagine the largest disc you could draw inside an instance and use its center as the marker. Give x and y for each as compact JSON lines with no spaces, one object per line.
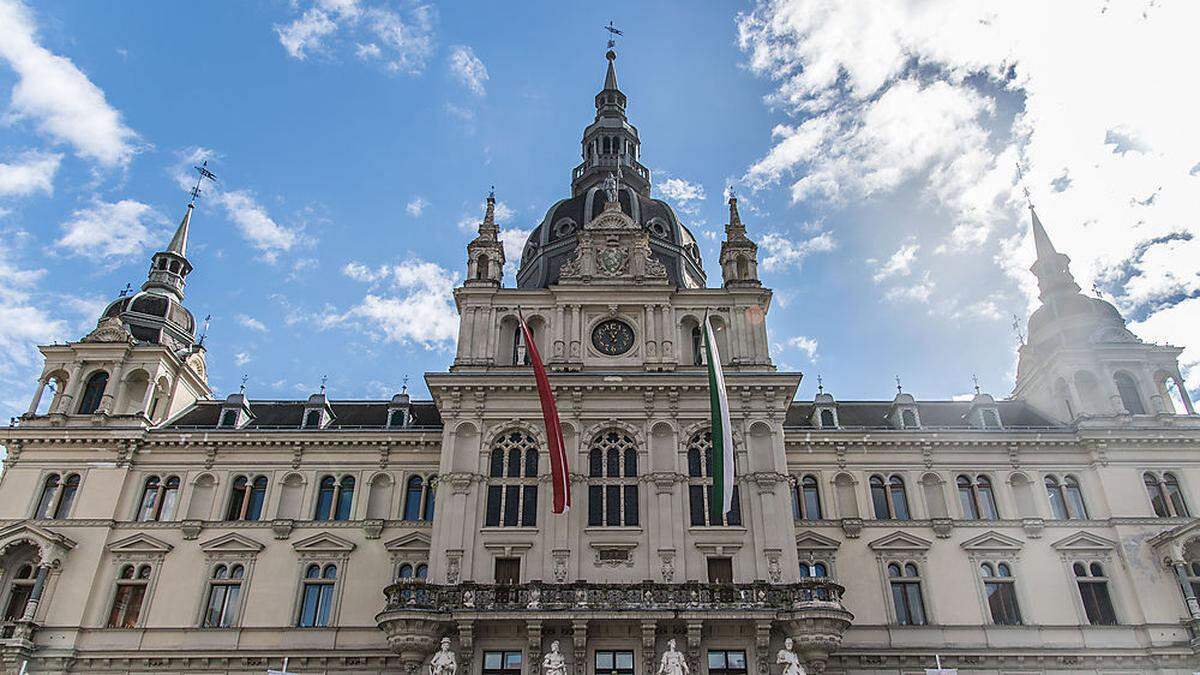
{"x":559,"y":474}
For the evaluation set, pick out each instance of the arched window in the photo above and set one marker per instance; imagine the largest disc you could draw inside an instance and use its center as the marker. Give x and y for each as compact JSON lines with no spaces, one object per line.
{"x":1093,"y":590}
{"x":129,"y":596}
{"x":697,"y":347}
{"x":1066,"y":498}
{"x":827,"y":419}
{"x":67,"y":497}
{"x":413,"y":491}
{"x":246,"y":498}
{"x":481,"y":266}
{"x":93,"y":393}
{"x":325,"y":491}
{"x":224,"y":596}
{"x":430,"y":497}
{"x":907,"y":601}
{"x":1128,"y":390}
{"x":700,"y":485}
{"x":316,"y":596}
{"x":889,"y":498}
{"x":229,"y":419}
{"x":990,"y":419}
{"x":312,"y":419}
{"x":1166,"y":498}
{"x":158,"y":498}
{"x":345,"y":498}
{"x":806,"y":499}
{"x":999,"y":587}
{"x":612,"y":480}
{"x":49,"y":494}
{"x":19,"y":593}
{"x":909,"y":418}
{"x":58,"y":495}
{"x":977,"y":498}
{"x":512,"y":490}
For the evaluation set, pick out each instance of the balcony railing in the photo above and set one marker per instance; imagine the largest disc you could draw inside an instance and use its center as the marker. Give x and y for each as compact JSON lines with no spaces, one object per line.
{"x":411,"y":595}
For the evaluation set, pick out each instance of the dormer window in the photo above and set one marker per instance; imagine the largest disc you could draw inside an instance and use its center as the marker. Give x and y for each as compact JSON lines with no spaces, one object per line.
{"x":398,"y":418}
{"x":229,"y":419}
{"x":991,"y":419}
{"x":908,"y":419}
{"x":312,"y":420}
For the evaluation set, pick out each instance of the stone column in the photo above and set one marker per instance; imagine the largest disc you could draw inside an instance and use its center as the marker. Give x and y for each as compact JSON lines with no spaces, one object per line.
{"x":37,"y":397}
{"x":35,"y":596}
{"x":1183,"y":393}
{"x":1189,"y":594}
{"x":110,"y":389}
{"x":67,"y":395}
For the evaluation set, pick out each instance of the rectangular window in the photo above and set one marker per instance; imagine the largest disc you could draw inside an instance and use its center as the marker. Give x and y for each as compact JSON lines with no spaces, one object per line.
{"x":631,"y":505}
{"x":727,"y":662}
{"x":529,"y":506}
{"x":502,"y":663}
{"x":720,"y":570}
{"x":508,"y":571}
{"x":1097,"y":604}
{"x":127,"y":606}
{"x":492,"y":516}
{"x":696,"y":503}
{"x":512,"y":504}
{"x":614,"y":663}
{"x":1002,"y":600}
{"x":595,"y":505}
{"x":910,"y":609}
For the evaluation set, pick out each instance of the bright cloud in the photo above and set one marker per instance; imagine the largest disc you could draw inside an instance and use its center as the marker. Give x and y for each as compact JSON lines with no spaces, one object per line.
{"x":781,"y":251}
{"x":251,"y":323}
{"x":467,"y":69}
{"x":899,"y":265}
{"x":416,"y":207}
{"x":104,"y":230}
{"x":57,"y":97}
{"x":684,"y":194}
{"x":408,"y":303}
{"x":804,"y":344}
{"x":401,"y":40}
{"x":31,"y":172}
{"x":918,"y":291}
{"x":255,"y":224}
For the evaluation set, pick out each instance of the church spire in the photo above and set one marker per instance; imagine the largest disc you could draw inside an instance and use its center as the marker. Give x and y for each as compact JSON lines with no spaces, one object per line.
{"x":1051,"y":268}
{"x":739,"y":254}
{"x":178,"y":244}
{"x":610,"y":142}
{"x":485,"y":253}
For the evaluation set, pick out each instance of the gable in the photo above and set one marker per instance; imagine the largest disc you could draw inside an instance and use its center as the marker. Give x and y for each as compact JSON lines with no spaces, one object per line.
{"x":140,"y":543}
{"x":324,"y":542}
{"x":808,"y":539}
{"x":1084,"y":541}
{"x":992,"y":541}
{"x":38,"y":536}
{"x":900,"y":541}
{"x":231,"y":543}
{"x":413,"y":541}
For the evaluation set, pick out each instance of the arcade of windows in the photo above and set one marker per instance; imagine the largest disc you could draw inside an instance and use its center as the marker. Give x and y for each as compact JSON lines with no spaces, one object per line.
{"x":888,"y":498}
{"x":334,"y":498}
{"x":1066,"y":498}
{"x":612,"y":484}
{"x":976,"y":497}
{"x":419,"y":498}
{"x":1166,"y":498}
{"x":806,"y":498}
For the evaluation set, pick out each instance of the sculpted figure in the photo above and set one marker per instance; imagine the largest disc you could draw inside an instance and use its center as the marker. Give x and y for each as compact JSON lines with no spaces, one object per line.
{"x":791,"y":662}
{"x":673,"y":661}
{"x":554,"y":663}
{"x":443,"y":662}
{"x":610,"y":188}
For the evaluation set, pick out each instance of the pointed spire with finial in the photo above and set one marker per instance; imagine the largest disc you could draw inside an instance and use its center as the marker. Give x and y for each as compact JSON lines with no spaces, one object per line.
{"x":485,"y":253}
{"x":734,"y":229}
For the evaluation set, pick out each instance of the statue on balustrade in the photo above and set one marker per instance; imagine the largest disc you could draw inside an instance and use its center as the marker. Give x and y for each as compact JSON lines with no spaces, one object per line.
{"x":673,"y":661}
{"x":443,"y":662}
{"x":791,"y":662}
{"x":554,"y":663}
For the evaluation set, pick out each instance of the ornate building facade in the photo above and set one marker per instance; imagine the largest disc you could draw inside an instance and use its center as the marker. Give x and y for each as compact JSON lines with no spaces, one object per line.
{"x":147,"y":526}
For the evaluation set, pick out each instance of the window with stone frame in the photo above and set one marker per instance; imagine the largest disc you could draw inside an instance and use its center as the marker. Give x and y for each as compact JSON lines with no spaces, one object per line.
{"x":977,"y":497}
{"x":1192,"y":571}
{"x":1094,"y":593}
{"x":609,"y":662}
{"x":889,"y":498}
{"x":223,"y":602}
{"x":335,"y":498}
{"x":160,"y":496}
{"x":20,"y":589}
{"x":247,"y":498}
{"x":612,"y":480}
{"x":502,"y":663}
{"x":1066,"y":498}
{"x":1000,"y":590}
{"x":408,"y":570}
{"x":93,"y":393}
{"x":727,"y":662}
{"x":317,"y":595}
{"x":57,"y":496}
{"x":418,"y":498}
{"x":806,"y":498}
{"x":1166,"y":497}
{"x":700,"y":484}
{"x":133,"y":582}
{"x":908,"y":603}
{"x":512,"y":485}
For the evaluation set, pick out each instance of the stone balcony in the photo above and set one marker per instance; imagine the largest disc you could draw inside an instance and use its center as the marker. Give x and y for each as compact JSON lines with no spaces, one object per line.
{"x":418,"y":614}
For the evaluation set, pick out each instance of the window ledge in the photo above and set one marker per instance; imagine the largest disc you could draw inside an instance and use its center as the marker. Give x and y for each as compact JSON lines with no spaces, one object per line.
{"x":737,"y":529}
{"x":605,"y":529}
{"x":509,"y":528}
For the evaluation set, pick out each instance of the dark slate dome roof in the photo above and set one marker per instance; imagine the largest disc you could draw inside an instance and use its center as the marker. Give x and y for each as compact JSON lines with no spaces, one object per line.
{"x":155,"y":318}
{"x":552,"y":243}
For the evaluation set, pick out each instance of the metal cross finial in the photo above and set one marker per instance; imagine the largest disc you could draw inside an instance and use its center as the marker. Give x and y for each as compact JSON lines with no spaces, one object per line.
{"x":404,"y":387}
{"x":492,"y":192}
{"x":975,"y":379}
{"x":204,"y":332}
{"x":242,"y":389}
{"x":204,"y":173}
{"x":899,"y":388}
{"x":324,"y":378}
{"x":730,"y":194}
{"x":820,"y":386}
{"x":613,"y":32}
{"x":126,"y":291}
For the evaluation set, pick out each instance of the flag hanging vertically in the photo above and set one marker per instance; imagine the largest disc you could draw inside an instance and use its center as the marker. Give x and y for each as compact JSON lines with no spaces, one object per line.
{"x":559,"y":475}
{"x":722,"y":432}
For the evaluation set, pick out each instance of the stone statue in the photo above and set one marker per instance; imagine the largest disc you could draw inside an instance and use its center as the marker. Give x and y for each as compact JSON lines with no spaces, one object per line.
{"x":554,"y":663}
{"x":791,"y":662}
{"x":443,"y":662}
{"x":673,"y":661}
{"x":610,"y":188}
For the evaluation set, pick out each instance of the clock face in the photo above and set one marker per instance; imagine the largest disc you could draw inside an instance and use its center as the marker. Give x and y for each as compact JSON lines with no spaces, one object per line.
{"x":612,"y":337}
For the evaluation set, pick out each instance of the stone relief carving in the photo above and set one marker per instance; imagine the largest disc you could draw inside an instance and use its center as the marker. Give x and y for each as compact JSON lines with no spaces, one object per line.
{"x":111,"y":329}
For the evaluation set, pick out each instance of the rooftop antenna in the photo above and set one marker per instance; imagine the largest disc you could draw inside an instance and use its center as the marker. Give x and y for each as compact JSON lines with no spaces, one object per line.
{"x":975,"y":379}
{"x":204,"y":173}
{"x":613,"y":32}
{"x":204,"y":332}
{"x":126,"y":291}
{"x":1016,"y":326}
{"x":242,"y":389}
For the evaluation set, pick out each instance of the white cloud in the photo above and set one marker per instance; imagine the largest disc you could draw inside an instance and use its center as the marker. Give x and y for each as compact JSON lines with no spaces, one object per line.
{"x":306,"y":33}
{"x":255,"y":224}
{"x":1176,"y":324}
{"x":805,"y":344}
{"x":503,"y":215}
{"x":251,"y":323}
{"x":408,"y":303}
{"x":918,"y":291}
{"x":368,"y":51}
{"x":900,"y":264}
{"x":26,"y":320}
{"x":513,"y":239}
{"x":782,"y":251}
{"x":104,"y":230}
{"x":468,"y":69}
{"x":684,"y":194}
{"x":401,"y":40}
{"x":408,"y":42}
{"x":416,"y":206}
{"x":32,"y":171}
{"x":53,"y":93}
{"x":240,"y":359}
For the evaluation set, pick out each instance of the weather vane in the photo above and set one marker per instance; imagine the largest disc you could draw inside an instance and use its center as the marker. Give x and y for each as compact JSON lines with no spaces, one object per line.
{"x":899,"y":388}
{"x":324,"y":378}
{"x":126,"y":291}
{"x":1024,"y":187}
{"x":613,"y":32}
{"x":204,"y":173}
{"x":1016,"y":326}
{"x":975,"y":379}
{"x":820,"y":385}
{"x":204,"y":332}
{"x":242,"y":389}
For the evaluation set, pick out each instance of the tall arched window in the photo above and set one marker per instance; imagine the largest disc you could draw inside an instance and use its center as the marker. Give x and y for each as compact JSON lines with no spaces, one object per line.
{"x":246,"y":498}
{"x":976,"y":497}
{"x":806,"y":499}
{"x":49,"y":494}
{"x":700,"y":486}
{"x":697,"y":347}
{"x":889,"y":498}
{"x":512,"y":490}
{"x":1128,"y":391}
{"x":481,"y":266}
{"x":612,"y":480}
{"x":159,"y":497}
{"x":129,"y":597}
{"x":316,"y":596}
{"x":325,"y":491}
{"x":93,"y":393}
{"x":1166,"y":498}
{"x":58,"y":495}
{"x":907,"y":601}
{"x":345,"y":498}
{"x":414,"y":491}
{"x":224,"y":596}
{"x":19,"y":592}
{"x":430,"y":497}
{"x":1066,"y":498}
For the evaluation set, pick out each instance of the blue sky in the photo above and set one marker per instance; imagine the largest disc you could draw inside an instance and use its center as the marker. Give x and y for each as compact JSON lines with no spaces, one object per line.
{"x":354,"y":140}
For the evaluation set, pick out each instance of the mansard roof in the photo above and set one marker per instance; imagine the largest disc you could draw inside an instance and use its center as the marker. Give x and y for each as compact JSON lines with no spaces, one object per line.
{"x":277,"y":415}
{"x":933,"y":414}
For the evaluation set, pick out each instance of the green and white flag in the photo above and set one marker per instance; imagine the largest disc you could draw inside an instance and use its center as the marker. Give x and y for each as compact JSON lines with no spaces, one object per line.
{"x":722,"y":431}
